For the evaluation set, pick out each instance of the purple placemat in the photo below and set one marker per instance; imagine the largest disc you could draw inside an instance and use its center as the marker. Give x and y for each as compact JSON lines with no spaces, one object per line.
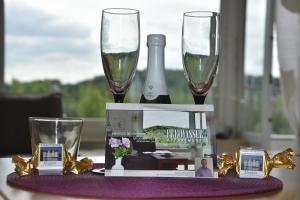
{"x":92,"y":185}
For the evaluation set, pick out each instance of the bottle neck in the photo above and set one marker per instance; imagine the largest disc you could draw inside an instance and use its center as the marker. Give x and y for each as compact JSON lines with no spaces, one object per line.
{"x":156,"y":60}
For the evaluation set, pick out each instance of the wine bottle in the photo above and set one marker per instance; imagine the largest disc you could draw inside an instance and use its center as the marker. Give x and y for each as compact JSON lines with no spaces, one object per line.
{"x":155,"y":89}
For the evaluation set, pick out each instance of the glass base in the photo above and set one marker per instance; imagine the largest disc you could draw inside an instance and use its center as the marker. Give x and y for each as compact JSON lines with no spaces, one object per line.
{"x":199,"y":99}
{"x":119,"y":98}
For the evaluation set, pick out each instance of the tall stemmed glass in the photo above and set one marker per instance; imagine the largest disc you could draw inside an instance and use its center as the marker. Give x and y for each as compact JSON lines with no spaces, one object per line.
{"x":200,"y":51}
{"x":120,"y":45}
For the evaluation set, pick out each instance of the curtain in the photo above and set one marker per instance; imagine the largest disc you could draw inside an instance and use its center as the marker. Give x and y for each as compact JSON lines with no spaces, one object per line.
{"x":287,"y":16}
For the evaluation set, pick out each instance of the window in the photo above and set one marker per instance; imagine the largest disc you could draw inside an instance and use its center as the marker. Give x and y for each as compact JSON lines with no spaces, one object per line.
{"x":53,"y":45}
{"x":252,"y":101}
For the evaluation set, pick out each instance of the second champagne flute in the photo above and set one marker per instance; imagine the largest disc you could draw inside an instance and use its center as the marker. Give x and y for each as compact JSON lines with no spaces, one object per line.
{"x":200,"y":51}
{"x":120,"y":44}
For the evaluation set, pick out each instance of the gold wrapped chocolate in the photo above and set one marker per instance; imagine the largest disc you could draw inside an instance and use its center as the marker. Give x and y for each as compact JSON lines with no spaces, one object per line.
{"x":26,"y":167}
{"x":254,"y":163}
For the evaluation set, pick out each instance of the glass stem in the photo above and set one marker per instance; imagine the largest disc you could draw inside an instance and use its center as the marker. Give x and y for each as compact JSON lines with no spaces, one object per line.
{"x":199,"y":99}
{"x":119,"y":98}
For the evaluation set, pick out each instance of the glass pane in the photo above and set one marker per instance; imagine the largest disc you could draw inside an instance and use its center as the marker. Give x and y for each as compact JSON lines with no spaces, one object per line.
{"x":53,"y":45}
{"x":253,"y":72}
{"x":280,"y":124}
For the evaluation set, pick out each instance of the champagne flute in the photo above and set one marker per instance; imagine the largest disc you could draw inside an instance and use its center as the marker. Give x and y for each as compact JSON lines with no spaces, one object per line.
{"x":120,"y":45}
{"x":200,"y":51}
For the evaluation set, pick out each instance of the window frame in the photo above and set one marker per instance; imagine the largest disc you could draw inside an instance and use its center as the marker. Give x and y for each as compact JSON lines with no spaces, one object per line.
{"x":265,"y":138}
{"x":231,"y":66}
{"x":229,"y":108}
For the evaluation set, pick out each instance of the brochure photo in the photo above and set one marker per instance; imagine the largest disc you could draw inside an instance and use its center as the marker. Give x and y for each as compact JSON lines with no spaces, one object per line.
{"x":160,"y":140}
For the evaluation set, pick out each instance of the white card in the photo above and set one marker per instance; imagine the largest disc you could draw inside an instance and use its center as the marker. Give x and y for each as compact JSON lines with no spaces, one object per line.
{"x":252,"y":163}
{"x":50,"y":159}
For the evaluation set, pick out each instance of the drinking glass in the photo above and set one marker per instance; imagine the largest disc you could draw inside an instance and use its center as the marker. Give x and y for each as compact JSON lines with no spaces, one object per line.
{"x":65,"y":131}
{"x":200,"y":51}
{"x":120,"y":45}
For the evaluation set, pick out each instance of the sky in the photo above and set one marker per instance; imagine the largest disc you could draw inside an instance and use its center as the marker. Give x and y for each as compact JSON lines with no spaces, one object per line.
{"x":54,"y":39}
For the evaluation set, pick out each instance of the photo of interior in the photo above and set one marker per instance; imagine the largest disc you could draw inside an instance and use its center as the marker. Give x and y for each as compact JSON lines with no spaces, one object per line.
{"x":145,"y":156}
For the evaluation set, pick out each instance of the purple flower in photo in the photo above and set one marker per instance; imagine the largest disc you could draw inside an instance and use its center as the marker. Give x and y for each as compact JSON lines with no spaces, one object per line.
{"x":120,"y":147}
{"x":126,"y":142}
{"x":114,"y":142}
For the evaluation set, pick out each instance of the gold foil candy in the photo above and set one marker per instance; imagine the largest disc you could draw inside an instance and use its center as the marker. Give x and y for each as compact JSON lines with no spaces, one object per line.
{"x":280,"y":160}
{"x":27,"y":167}
{"x":227,"y":162}
{"x":23,"y":166}
{"x":74,"y":166}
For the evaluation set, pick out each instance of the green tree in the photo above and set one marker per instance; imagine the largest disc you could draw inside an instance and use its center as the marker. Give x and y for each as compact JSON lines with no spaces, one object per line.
{"x":92,"y":101}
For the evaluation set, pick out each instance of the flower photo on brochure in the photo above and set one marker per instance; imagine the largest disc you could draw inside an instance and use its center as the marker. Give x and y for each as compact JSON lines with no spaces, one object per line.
{"x":120,"y":147}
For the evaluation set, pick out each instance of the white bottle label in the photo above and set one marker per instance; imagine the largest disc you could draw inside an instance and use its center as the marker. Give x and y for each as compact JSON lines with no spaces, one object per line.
{"x":154,"y":89}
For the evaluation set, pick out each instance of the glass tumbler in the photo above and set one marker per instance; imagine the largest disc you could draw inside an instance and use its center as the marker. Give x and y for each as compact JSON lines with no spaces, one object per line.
{"x":65,"y":131}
